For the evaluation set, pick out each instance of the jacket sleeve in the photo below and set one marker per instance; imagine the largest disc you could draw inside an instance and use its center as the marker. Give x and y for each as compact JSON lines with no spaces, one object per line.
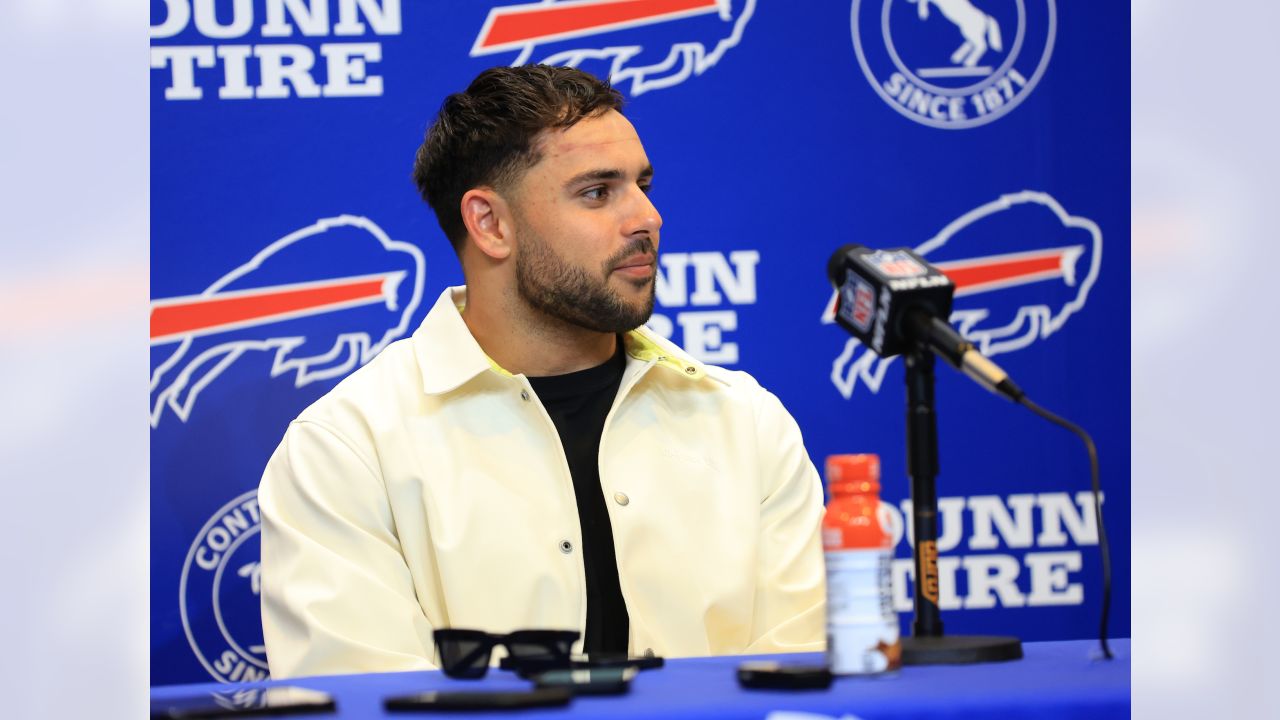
{"x":790,"y":601}
{"x":337,"y":596}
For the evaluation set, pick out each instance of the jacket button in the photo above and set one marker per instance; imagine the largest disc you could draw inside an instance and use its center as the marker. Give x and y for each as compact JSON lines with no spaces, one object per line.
{"x":524,"y":395}
{"x":690,"y":370}
{"x":621,"y":498}
{"x":566,"y":547}
{"x":648,"y":652}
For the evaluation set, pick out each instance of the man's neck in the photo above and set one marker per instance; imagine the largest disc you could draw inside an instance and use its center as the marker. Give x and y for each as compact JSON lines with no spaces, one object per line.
{"x":523,"y":340}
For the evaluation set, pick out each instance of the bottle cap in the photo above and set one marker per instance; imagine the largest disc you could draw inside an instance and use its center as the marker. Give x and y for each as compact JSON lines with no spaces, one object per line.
{"x":853,"y":473}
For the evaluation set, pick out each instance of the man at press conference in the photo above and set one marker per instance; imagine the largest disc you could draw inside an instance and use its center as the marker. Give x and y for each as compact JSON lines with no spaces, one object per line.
{"x":533,"y":457}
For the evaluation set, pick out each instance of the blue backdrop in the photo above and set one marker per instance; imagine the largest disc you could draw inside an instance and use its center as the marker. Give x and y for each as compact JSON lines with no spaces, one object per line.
{"x":289,"y":246}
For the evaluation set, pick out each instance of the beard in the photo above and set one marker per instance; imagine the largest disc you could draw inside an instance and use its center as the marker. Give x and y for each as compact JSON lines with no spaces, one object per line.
{"x":572,"y":294}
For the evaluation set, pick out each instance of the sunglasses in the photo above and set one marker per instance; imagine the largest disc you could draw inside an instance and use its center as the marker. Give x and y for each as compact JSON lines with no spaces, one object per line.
{"x":465,"y":654}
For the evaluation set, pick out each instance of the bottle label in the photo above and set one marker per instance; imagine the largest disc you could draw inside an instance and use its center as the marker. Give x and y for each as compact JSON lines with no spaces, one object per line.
{"x":862,"y":627}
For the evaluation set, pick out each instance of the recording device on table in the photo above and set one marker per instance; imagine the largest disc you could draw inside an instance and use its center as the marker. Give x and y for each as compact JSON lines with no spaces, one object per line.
{"x":896,"y":303}
{"x":453,"y":700}
{"x":528,"y":667}
{"x":588,"y":681}
{"x":280,"y":700}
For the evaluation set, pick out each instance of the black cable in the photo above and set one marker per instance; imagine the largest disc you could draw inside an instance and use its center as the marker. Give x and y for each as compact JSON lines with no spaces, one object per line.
{"x":1097,"y":507}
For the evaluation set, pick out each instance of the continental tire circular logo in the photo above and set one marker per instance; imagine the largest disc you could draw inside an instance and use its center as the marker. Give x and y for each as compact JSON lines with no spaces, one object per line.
{"x":218,"y":593}
{"x":953,"y":63}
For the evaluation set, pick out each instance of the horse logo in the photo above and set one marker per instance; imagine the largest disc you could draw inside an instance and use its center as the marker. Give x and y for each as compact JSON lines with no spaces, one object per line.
{"x":909,"y":54}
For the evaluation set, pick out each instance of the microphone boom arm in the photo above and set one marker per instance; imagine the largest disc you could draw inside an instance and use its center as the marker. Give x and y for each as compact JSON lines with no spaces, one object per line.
{"x":931,"y":333}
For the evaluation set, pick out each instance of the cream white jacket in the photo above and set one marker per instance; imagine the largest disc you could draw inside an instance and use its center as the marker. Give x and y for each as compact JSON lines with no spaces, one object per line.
{"x":429,"y":489}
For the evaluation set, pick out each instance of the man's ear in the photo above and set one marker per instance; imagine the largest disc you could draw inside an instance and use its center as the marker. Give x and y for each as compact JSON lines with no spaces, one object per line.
{"x":487,"y":219}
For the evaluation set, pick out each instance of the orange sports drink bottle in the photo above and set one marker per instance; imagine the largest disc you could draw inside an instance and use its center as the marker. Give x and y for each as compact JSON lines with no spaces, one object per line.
{"x":862,"y":627}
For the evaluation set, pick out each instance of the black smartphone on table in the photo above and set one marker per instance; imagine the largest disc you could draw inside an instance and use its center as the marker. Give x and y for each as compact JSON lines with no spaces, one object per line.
{"x":771,"y":675}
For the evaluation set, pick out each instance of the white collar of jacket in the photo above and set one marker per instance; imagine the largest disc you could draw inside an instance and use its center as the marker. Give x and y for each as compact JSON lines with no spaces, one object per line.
{"x":448,"y":356}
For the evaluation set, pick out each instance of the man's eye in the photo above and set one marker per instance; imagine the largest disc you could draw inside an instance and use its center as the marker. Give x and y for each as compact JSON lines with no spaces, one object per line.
{"x":596,"y":193}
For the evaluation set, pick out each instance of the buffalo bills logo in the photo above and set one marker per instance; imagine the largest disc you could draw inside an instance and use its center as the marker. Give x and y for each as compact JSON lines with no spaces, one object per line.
{"x":1008,"y":295}
{"x":322,"y":300}
{"x":640,"y":45}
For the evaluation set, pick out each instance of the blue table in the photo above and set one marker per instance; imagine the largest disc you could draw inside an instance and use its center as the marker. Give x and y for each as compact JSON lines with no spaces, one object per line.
{"x":1054,"y":680}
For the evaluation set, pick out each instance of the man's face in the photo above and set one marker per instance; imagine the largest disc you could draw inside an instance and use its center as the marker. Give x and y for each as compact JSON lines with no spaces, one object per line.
{"x":587,"y":235}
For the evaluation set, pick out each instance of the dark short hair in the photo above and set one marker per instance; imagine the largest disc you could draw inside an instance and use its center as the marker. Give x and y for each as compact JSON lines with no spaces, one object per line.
{"x":487,"y":135}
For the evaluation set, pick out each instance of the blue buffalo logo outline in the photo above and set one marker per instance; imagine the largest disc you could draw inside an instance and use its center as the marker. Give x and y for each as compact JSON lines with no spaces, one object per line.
{"x":617,"y":38}
{"x":1070,"y":270}
{"x":269,"y":305}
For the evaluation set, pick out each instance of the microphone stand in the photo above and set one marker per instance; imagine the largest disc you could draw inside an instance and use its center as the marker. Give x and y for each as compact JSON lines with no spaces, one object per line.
{"x":927,"y":645}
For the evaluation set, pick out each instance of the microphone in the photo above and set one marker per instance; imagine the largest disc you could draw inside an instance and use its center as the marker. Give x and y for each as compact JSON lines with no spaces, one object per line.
{"x":892,"y":300}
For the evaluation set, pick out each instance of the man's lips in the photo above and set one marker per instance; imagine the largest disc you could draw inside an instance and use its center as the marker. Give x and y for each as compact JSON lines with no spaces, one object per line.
{"x":636,"y":266}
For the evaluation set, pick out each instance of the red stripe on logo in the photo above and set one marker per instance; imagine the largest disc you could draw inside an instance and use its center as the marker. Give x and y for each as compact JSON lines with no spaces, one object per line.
{"x":988,"y":273}
{"x":253,"y":307}
{"x":526,"y":23}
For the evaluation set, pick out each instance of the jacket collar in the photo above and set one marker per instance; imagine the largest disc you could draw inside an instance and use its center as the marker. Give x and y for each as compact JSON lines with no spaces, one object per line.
{"x":646,"y":345}
{"x":448,"y":356}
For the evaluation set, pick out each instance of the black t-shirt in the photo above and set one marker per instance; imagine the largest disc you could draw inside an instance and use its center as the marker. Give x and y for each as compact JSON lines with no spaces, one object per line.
{"x":578,"y":404}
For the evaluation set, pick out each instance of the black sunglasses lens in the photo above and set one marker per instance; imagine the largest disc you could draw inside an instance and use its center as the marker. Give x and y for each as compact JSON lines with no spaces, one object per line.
{"x":463,"y":656}
{"x":563,"y":645}
{"x":541,"y":645}
{"x":531,"y":651}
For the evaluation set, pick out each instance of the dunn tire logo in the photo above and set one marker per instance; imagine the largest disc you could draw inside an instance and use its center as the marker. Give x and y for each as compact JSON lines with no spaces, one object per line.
{"x":219,"y":590}
{"x":953,"y":63}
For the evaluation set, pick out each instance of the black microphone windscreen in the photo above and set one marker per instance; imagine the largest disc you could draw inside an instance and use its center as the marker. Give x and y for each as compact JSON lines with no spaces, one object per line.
{"x":836,"y":264}
{"x":876,"y":291}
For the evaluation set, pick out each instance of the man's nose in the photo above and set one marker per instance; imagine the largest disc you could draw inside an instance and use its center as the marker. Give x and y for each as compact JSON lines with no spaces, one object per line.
{"x":642,"y":215}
